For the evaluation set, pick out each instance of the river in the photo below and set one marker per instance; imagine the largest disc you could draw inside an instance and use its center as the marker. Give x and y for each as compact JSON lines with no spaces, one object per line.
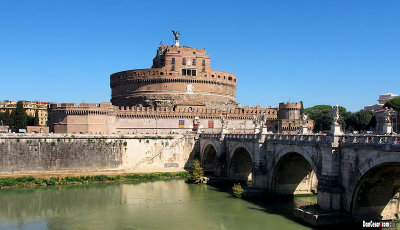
{"x":148,"y":205}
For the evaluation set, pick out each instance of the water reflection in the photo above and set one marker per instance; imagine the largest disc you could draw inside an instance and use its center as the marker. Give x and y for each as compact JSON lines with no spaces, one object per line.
{"x":151,"y":205}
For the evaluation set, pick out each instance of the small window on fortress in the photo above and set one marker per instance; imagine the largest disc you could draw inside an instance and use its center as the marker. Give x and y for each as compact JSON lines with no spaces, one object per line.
{"x":173,"y":61}
{"x":194,"y":62}
{"x":212,"y":75}
{"x":183,"y":72}
{"x":173,"y":67}
{"x":203,"y":69}
{"x":183,"y":61}
{"x":203,"y":63}
{"x":230,"y":78}
{"x":161,"y":73}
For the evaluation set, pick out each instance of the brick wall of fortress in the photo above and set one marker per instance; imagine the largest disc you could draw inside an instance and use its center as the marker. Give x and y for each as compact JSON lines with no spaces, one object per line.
{"x":289,"y":110}
{"x":166,"y":86}
{"x":107,"y":119}
{"x":168,"y":90}
{"x":83,"y":152}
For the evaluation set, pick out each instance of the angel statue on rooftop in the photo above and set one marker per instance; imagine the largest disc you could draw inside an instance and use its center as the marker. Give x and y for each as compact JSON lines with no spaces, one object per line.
{"x":176,"y":34}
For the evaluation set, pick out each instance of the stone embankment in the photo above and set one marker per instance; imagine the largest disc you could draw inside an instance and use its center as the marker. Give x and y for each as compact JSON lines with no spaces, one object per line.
{"x":25,"y":154}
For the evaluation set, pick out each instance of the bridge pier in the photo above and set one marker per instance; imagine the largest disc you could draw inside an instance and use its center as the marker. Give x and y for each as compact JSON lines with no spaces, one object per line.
{"x":329,"y":193}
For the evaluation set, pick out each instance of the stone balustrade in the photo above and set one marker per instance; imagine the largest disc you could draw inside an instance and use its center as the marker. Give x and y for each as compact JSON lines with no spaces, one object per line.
{"x":314,"y":138}
{"x":370,"y":139}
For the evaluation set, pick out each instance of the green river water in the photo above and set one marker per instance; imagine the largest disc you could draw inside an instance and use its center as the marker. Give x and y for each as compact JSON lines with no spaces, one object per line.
{"x":149,"y":205}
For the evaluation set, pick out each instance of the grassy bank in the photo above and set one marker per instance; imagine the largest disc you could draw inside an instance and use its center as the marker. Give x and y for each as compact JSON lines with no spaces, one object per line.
{"x":30,"y":181}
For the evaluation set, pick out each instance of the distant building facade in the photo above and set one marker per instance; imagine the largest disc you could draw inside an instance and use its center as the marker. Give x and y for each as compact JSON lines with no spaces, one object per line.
{"x":30,"y":108}
{"x":383,"y":98}
{"x":180,"y":93}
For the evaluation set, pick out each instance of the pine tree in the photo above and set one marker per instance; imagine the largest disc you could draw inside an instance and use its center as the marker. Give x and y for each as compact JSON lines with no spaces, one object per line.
{"x":19,"y":116}
{"x":36,"y":120}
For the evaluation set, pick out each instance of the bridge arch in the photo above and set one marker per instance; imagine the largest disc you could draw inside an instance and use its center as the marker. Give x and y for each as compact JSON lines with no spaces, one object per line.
{"x":294,"y":173}
{"x":209,"y":159}
{"x":240,"y":164}
{"x":375,"y":190}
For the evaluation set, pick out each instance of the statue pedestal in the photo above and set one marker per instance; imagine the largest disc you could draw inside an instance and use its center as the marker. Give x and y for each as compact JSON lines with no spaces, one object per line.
{"x":256,"y":129}
{"x":336,"y":130}
{"x":387,"y":128}
{"x":303,"y":130}
{"x":263,"y":130}
{"x":224,"y":131}
{"x":176,"y":43}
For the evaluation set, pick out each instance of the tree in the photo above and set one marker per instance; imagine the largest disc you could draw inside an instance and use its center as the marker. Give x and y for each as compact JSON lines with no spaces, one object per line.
{"x":30,"y":120}
{"x":20,"y":116}
{"x":321,"y":114}
{"x":360,"y":121}
{"x":393,"y":103}
{"x":5,"y":117}
{"x":195,"y":173}
{"x":36,"y":120}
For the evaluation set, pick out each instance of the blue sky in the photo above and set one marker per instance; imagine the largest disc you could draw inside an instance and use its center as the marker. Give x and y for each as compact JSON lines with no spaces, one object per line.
{"x":321,"y":52}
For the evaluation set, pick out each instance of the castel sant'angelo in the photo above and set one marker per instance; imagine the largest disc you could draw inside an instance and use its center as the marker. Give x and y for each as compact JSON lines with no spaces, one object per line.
{"x":180,"y":93}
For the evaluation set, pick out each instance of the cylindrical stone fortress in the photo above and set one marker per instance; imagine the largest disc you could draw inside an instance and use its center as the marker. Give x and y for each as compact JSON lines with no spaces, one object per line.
{"x":180,"y":76}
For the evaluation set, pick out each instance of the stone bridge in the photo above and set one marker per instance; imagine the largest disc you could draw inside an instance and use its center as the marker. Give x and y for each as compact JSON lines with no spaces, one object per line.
{"x":355,"y":174}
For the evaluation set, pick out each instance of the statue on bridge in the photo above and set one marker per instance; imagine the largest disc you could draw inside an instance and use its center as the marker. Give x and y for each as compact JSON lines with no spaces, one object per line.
{"x":304,"y":118}
{"x":224,"y":125}
{"x":388,"y":114}
{"x":335,"y":114}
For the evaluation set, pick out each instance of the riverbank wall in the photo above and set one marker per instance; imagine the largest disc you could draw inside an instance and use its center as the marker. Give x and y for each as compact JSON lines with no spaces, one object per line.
{"x":52,"y":153}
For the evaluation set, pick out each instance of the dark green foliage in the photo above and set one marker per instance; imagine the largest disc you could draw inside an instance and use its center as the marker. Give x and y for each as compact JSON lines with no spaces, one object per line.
{"x":360,"y":121}
{"x":32,"y":181}
{"x":12,"y":119}
{"x":393,"y":103}
{"x":195,"y":173}
{"x":20,"y":116}
{"x":321,"y":114}
{"x":237,"y":190}
{"x":51,"y":181}
{"x":5,"y":117}
{"x":30,"y":120}
{"x":36,"y":118}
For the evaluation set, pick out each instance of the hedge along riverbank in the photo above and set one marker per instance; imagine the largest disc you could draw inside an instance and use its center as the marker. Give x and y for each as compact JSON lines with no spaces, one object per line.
{"x":30,"y":181}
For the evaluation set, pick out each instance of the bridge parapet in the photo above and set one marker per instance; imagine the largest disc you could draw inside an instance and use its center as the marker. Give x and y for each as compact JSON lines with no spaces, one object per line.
{"x":241,"y":136}
{"x":210,"y":135}
{"x":369,"y":140}
{"x":299,"y":138}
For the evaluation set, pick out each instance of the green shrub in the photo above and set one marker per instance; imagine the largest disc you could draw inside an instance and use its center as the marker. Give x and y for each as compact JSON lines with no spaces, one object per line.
{"x":237,"y":190}
{"x":8,"y":181}
{"x":51,"y":181}
{"x":195,"y":173}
